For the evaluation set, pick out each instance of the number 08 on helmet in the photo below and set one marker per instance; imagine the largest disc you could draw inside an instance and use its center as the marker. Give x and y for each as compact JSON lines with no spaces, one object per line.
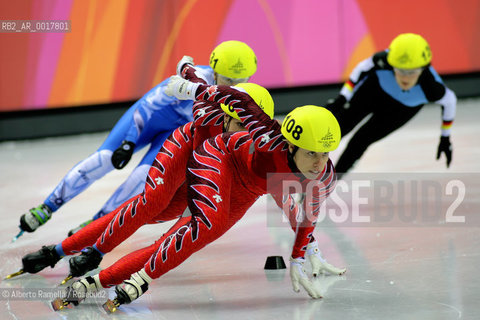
{"x":312,"y":128}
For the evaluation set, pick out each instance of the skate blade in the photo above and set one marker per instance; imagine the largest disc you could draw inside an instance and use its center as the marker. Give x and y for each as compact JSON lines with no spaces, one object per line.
{"x":18,"y":236}
{"x":111,"y":306}
{"x":66,"y":279}
{"x":59,"y":304}
{"x":10,"y":276}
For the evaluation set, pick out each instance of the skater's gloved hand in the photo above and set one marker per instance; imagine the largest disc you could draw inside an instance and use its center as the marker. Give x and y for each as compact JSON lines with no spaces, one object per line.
{"x":319,"y":264}
{"x":181,"y":88}
{"x":185,"y":60}
{"x":122,"y":155}
{"x":445,"y":147}
{"x":299,"y":277}
{"x":336,"y":104}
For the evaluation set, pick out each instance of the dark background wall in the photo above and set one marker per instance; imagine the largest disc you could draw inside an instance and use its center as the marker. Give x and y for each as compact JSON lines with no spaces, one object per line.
{"x":67,"y":121}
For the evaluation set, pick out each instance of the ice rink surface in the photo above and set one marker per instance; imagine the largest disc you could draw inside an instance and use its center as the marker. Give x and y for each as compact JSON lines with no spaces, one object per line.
{"x":395,"y":271}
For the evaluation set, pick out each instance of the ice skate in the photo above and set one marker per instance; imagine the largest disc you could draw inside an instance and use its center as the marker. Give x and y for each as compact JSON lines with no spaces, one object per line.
{"x":35,"y":217}
{"x":77,"y":292}
{"x":15,"y":274}
{"x":19,"y":234}
{"x":37,"y":261}
{"x":88,"y":260}
{"x":128,"y":291}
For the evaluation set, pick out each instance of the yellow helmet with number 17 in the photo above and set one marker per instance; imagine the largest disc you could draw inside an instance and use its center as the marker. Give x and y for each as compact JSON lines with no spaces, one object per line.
{"x":312,"y":128}
{"x":233,"y":59}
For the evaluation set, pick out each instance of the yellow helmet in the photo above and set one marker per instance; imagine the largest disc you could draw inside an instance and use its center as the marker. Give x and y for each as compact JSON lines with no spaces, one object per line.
{"x":233,"y":59}
{"x":312,"y":128}
{"x":259,"y":94}
{"x":409,"y":51}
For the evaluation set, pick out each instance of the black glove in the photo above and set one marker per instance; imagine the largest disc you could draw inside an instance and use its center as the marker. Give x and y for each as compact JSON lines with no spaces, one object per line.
{"x":336,"y":104}
{"x":446,"y":147}
{"x":122,"y":155}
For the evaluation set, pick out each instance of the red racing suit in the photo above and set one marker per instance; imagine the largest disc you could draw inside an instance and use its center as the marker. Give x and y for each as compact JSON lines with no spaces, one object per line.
{"x":164,"y":197}
{"x":228,"y":173}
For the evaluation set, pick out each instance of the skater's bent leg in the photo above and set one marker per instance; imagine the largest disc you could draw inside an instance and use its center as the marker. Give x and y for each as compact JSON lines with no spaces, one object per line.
{"x":135,"y":261}
{"x":380,"y":125}
{"x":134,"y":185}
{"x":209,"y":181}
{"x":176,"y":207}
{"x":88,"y":235}
{"x":166,"y":175}
{"x":80,"y":177}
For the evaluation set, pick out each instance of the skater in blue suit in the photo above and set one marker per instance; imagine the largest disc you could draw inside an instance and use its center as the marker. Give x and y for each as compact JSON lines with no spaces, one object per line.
{"x":146,"y":123}
{"x":391,"y":87}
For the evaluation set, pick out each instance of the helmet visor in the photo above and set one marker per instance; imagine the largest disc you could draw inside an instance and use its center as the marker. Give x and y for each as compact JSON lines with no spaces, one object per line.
{"x":408,"y":72}
{"x":230,"y":81}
